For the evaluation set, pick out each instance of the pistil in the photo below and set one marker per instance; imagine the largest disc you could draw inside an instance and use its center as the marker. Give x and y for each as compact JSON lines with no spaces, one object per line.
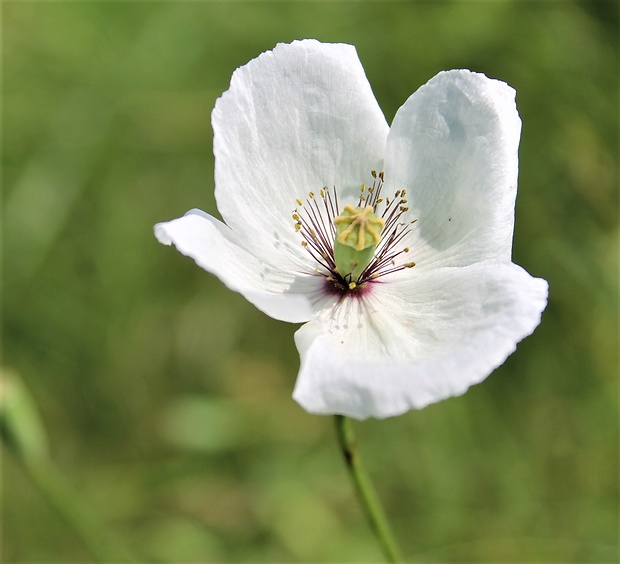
{"x":358,"y":232}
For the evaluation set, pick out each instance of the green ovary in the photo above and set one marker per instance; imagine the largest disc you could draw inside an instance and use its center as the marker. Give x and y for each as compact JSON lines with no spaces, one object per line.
{"x":358,"y":232}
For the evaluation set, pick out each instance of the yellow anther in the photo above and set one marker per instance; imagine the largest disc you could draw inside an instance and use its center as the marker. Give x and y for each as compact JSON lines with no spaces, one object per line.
{"x":363,"y":188}
{"x":381,"y":176}
{"x":403,"y":193}
{"x":410,"y":265}
{"x":406,"y":250}
{"x":374,"y":173}
{"x":299,"y":202}
{"x":404,"y":208}
{"x":397,"y":194}
{"x":364,"y":221}
{"x":352,"y":285}
{"x":295,"y":217}
{"x":322,"y":192}
{"x":304,"y":243}
{"x":311,"y":194}
{"x":297,"y":226}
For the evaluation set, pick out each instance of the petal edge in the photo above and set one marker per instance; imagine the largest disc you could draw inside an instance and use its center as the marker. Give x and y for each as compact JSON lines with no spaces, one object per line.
{"x":214,"y":248}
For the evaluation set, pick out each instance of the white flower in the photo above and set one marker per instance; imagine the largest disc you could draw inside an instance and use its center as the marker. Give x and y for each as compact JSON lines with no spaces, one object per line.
{"x":440,"y":304}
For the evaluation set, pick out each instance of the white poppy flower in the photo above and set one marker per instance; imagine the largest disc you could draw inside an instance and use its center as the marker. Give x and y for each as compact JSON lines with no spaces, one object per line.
{"x":431,"y":303}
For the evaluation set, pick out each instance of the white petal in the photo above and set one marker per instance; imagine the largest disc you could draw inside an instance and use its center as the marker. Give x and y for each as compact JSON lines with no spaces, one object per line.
{"x":294,"y":120}
{"x":408,"y":344}
{"x":454,"y":145}
{"x":214,"y":247}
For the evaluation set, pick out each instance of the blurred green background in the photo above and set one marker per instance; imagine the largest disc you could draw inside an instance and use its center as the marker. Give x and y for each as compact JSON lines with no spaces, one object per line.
{"x":166,"y":398}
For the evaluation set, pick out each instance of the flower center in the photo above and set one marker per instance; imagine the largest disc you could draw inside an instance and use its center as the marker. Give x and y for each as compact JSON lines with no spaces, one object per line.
{"x":359,"y":245}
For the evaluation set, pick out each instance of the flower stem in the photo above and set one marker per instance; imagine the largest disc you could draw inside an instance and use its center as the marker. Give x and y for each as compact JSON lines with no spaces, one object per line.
{"x":366,"y":492}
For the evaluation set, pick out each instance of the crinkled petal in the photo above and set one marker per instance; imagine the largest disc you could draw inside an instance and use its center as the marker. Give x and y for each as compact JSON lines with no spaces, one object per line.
{"x":214,"y":247}
{"x":294,"y":120}
{"x":453,"y":145}
{"x":408,"y":344}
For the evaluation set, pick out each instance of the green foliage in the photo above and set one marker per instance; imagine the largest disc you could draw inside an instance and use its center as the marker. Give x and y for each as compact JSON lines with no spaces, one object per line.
{"x":166,"y":398}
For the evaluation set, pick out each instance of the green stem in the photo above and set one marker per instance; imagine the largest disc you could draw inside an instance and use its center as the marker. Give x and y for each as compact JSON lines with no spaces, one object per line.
{"x":102,"y":545}
{"x":366,"y":492}
{"x":23,"y":433}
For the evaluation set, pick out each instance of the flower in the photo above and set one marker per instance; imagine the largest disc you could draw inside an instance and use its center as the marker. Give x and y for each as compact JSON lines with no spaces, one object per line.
{"x":303,"y":154}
